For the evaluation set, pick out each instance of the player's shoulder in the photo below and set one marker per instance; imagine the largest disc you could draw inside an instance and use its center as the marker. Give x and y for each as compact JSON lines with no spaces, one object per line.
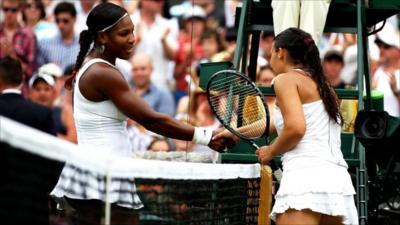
{"x":103,"y":71}
{"x":285,"y":79}
{"x":101,"y":68}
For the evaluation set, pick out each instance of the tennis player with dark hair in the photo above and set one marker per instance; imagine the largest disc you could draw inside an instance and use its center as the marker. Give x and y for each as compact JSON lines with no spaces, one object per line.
{"x":316,"y":188}
{"x":102,"y":103}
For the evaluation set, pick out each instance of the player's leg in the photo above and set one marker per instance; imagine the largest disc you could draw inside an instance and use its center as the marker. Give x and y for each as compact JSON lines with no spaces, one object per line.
{"x":296,"y":217}
{"x":124,"y":216}
{"x":331,"y":220}
{"x":85,"y":212}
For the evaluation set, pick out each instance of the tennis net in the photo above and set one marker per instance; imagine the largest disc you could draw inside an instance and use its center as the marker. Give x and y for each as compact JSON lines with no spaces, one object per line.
{"x":181,"y":193}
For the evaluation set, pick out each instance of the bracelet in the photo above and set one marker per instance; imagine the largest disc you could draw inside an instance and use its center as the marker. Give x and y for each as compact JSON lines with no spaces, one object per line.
{"x":202,"y":135}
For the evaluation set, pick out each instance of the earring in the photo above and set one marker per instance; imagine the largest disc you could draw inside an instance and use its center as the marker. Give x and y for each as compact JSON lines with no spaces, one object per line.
{"x":101,"y":49}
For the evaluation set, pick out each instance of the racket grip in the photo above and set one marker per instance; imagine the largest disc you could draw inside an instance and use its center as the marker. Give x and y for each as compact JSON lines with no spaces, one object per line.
{"x":255,"y":145}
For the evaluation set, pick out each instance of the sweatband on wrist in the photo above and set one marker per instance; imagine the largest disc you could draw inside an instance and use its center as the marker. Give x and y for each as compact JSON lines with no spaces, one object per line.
{"x":202,"y":136}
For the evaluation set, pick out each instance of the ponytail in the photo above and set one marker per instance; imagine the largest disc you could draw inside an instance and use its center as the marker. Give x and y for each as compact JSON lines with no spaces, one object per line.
{"x":85,"y":40}
{"x":302,"y":50}
{"x":312,"y":61}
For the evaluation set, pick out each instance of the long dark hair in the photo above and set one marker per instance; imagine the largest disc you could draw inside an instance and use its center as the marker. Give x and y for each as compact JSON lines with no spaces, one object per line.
{"x":101,"y":16}
{"x":302,"y":50}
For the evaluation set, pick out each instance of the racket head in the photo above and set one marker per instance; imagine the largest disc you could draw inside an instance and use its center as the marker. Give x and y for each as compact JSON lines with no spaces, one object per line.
{"x":238,"y":104}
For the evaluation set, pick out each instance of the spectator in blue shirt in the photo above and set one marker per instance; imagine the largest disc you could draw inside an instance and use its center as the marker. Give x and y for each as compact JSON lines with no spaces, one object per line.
{"x":160,"y":100}
{"x":61,"y":49}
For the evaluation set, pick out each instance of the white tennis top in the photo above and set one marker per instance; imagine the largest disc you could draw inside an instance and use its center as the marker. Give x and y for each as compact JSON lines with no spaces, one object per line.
{"x":102,"y":127}
{"x":321,"y":141}
{"x":314,"y":172}
{"x":99,"y":124}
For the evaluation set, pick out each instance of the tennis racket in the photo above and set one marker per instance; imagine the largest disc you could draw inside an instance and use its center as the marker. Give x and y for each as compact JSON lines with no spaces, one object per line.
{"x":239,"y":105}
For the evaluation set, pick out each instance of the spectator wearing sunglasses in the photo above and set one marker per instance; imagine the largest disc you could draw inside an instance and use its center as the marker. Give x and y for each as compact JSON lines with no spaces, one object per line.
{"x":16,"y":40}
{"x":387,"y":76}
{"x":34,"y":17}
{"x":62,"y":48}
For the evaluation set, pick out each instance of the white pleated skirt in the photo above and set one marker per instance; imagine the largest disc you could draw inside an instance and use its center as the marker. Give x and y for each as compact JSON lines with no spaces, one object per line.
{"x":81,"y":184}
{"x":326,"y":189}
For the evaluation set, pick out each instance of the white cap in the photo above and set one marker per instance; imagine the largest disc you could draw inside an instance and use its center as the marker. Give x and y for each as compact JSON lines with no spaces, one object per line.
{"x":46,"y":77}
{"x":51,"y":69}
{"x":195,"y":12}
{"x":389,"y":35}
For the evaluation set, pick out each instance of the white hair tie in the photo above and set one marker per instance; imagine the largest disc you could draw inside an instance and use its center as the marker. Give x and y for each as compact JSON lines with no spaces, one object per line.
{"x":114,"y":23}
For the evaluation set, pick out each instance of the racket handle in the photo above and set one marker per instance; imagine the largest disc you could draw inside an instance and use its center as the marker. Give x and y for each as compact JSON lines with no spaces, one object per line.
{"x":272,"y":164}
{"x":255,"y":145}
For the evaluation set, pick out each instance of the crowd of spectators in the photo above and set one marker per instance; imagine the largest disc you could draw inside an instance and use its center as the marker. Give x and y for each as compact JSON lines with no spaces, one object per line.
{"x":171,"y":42}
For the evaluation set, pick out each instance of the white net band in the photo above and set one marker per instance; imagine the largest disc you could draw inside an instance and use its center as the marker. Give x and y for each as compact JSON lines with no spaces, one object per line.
{"x":45,"y":145}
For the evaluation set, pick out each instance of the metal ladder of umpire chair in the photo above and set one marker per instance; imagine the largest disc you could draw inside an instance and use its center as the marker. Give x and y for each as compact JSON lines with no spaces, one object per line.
{"x":344,"y":16}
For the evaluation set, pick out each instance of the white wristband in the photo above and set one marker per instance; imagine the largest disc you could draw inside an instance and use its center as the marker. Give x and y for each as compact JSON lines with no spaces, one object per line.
{"x":202,"y":136}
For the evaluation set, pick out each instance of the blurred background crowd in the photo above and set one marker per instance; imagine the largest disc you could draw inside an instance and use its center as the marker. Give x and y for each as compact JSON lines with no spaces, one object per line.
{"x":172,"y":38}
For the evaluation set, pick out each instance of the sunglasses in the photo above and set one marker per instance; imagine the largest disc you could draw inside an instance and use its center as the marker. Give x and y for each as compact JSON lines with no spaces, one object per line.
{"x":30,"y":6}
{"x":65,"y":21}
{"x":9,"y":9}
{"x":382,"y":44}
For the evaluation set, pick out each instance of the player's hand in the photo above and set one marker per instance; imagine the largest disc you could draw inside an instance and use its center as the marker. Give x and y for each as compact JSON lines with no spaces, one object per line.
{"x":225,"y":134}
{"x":265,"y":154}
{"x":220,"y":142}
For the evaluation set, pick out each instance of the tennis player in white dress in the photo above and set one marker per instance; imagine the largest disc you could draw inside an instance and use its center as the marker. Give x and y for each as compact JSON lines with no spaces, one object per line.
{"x":316,"y":188}
{"x":102,"y":103}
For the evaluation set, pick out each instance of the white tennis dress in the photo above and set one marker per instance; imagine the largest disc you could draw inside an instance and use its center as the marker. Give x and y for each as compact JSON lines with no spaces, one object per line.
{"x":315,"y":174}
{"x":100,"y":126}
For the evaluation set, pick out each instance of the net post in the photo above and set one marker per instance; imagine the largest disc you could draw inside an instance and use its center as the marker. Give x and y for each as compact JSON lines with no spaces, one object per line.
{"x":107,"y":209}
{"x":264,"y":208}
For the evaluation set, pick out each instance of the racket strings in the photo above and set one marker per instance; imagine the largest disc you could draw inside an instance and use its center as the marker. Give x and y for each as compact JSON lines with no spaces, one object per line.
{"x":238,"y":104}
{"x":251,"y":106}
